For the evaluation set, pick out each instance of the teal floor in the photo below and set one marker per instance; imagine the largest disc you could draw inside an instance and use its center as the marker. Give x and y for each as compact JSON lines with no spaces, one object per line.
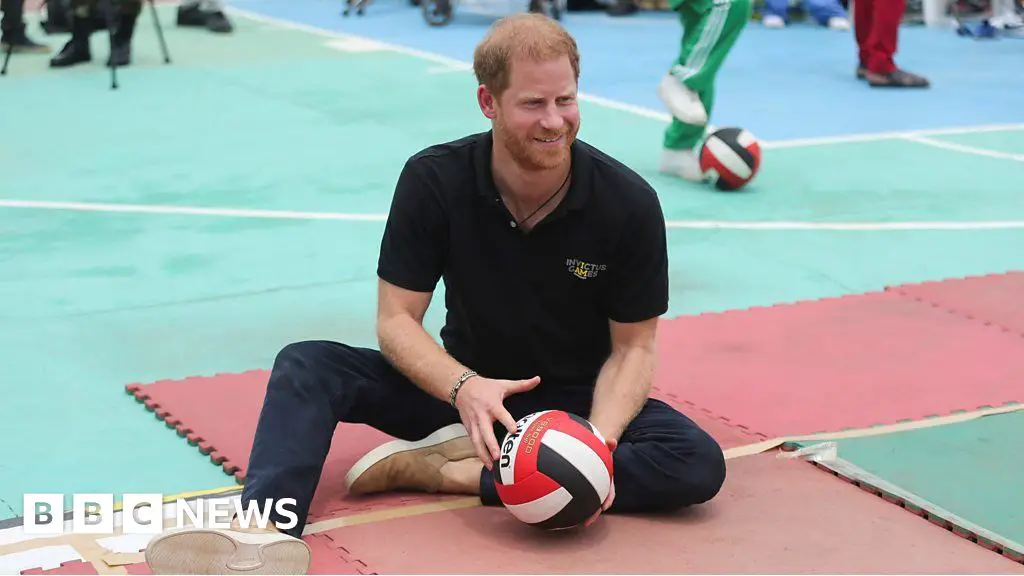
{"x":272,"y":119}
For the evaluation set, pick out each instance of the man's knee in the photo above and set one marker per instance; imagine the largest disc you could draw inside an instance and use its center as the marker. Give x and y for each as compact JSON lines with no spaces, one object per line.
{"x":298,"y":367}
{"x":702,"y":472}
{"x":681,"y":464}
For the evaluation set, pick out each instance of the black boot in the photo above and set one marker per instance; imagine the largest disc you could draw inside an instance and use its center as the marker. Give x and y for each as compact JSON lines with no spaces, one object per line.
{"x":193,"y":17}
{"x":76,"y":51}
{"x":121,"y":48}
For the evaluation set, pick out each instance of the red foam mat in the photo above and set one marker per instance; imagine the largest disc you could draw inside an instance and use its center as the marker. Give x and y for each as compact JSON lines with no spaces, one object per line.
{"x":73,"y":567}
{"x":997,"y":299}
{"x":772,"y":517}
{"x":219,"y":415}
{"x":840,"y":363}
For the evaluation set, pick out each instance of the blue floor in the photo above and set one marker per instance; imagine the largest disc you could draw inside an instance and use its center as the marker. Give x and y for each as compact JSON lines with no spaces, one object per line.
{"x":781,"y":84}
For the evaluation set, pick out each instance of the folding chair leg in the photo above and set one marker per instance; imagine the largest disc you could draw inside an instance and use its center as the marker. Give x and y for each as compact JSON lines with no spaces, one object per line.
{"x":112,"y":6}
{"x":7,"y":59}
{"x":159,"y":31}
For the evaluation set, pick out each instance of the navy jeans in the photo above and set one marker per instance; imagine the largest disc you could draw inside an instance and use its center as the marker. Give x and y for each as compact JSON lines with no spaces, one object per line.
{"x":664,"y":461}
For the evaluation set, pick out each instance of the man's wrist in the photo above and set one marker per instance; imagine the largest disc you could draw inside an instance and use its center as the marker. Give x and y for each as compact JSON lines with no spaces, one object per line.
{"x":608,"y":430}
{"x":454,"y":393}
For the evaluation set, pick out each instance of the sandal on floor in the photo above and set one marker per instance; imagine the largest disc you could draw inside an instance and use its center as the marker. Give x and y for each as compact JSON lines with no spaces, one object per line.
{"x":896,"y":79}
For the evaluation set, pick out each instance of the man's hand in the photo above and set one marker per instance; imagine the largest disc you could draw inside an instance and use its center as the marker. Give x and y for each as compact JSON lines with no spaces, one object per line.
{"x":612,"y":445}
{"x":480,"y":404}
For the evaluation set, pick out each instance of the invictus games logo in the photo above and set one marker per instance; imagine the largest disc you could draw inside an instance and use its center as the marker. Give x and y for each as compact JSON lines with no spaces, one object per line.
{"x":584,"y":270}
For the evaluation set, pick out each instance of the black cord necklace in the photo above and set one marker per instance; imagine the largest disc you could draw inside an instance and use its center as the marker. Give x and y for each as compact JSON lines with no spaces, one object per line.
{"x":546,"y":202}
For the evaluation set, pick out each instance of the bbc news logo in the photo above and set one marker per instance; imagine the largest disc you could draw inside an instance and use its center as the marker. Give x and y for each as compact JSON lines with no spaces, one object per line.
{"x":144,"y":513}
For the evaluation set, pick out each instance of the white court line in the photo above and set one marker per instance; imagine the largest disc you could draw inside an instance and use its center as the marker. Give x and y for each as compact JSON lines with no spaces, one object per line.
{"x":454,"y":65}
{"x":188,"y":210}
{"x":348,"y":216}
{"x":965,"y":149}
{"x":450,"y":64}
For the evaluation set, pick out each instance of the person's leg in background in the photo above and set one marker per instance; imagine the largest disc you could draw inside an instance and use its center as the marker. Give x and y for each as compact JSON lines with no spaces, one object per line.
{"x":828,"y":13}
{"x":77,"y":50}
{"x":824,"y":12}
{"x":710,"y":30}
{"x":12,"y":29}
{"x":775,"y":14}
{"x":877,"y":28}
{"x":121,"y":51}
{"x":1005,"y":17}
{"x":207,"y":14}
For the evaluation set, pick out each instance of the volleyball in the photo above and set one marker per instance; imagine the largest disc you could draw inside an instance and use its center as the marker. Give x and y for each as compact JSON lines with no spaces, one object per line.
{"x":555,"y":471}
{"x":731,"y":157}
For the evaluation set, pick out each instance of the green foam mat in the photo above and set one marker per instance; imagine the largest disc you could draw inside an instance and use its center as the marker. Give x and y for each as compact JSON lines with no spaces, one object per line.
{"x":969,"y":475}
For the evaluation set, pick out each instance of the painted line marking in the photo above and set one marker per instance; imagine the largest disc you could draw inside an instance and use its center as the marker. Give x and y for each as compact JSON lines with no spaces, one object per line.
{"x":188,"y":210}
{"x":357,"y":45}
{"x":964,"y":148}
{"x":454,"y":65}
{"x":358,"y":217}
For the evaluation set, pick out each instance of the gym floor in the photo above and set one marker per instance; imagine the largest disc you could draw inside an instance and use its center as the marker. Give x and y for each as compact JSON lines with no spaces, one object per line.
{"x":212,"y":210}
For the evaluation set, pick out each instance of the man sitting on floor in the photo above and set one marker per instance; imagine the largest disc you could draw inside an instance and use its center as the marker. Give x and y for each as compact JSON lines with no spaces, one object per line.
{"x":554,"y":257}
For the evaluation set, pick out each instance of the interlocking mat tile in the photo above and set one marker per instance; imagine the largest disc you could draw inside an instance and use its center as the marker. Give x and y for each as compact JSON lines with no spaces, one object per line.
{"x":967,"y":476}
{"x":773,"y":516}
{"x":997,"y":299}
{"x":219,"y":415}
{"x":74,"y":567}
{"x":839,"y":363}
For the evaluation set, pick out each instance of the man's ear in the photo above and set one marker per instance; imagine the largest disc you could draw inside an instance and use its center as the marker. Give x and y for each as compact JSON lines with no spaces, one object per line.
{"x":488,"y":103}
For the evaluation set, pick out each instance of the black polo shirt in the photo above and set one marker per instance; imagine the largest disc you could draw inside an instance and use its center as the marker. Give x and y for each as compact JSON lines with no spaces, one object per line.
{"x":525,"y":304}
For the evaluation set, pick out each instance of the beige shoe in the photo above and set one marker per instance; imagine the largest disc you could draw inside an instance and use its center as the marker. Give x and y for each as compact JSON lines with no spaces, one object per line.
{"x":682,"y":164}
{"x":227,"y":551}
{"x":401,"y":464}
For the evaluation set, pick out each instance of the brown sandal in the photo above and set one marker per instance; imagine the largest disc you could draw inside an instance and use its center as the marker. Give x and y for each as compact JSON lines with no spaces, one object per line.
{"x":896,"y":79}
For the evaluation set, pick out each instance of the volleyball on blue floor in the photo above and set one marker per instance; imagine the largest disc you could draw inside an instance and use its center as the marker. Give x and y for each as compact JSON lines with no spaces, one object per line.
{"x":730,"y":158}
{"x":555,"y":471}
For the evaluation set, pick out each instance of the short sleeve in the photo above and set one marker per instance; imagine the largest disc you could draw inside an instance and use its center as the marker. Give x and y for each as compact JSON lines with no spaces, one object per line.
{"x":639,"y":273}
{"x":415,"y":242}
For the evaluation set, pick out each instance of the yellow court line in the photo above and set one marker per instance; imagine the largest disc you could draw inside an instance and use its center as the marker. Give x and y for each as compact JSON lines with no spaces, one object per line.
{"x":757,"y":448}
{"x":391,"y":513}
{"x":90,"y":550}
{"x":194,"y":494}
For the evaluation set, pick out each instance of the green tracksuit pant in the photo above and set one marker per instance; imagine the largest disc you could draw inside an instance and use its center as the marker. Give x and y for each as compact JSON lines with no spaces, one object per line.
{"x":710,"y":29}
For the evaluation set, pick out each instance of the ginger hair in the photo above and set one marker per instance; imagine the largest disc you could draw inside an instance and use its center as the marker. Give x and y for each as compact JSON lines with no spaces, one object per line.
{"x":531,"y":36}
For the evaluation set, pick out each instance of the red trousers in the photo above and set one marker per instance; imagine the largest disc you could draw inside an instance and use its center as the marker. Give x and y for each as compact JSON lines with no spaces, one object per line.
{"x":877,"y":27}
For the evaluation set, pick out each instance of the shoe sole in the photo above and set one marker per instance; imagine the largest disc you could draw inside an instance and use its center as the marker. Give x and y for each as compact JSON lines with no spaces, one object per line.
{"x":439,"y":439}
{"x":212,"y":551}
